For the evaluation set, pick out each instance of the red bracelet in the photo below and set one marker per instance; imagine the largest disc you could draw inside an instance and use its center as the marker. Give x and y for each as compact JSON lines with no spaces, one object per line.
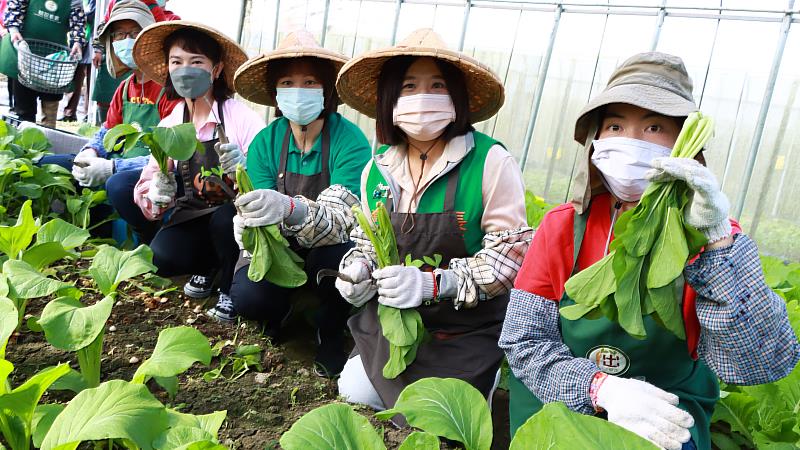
{"x":291,"y":206}
{"x":597,"y":381}
{"x":435,"y":287}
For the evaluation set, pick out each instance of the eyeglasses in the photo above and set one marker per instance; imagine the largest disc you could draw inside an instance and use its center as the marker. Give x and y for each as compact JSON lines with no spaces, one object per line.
{"x":120,"y":35}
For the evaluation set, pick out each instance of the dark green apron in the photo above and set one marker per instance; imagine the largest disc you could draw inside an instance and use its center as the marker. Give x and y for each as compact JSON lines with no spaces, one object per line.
{"x":140,"y":115}
{"x":105,"y":85}
{"x":45,"y":20}
{"x":661,"y":359}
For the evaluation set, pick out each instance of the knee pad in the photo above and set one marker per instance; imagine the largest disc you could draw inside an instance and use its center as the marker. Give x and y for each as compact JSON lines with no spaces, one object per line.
{"x":355,"y":386}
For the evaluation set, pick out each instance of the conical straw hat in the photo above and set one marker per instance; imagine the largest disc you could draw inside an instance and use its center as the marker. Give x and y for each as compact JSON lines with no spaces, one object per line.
{"x":358,"y":80}
{"x":251,"y":78}
{"x":148,"y":51}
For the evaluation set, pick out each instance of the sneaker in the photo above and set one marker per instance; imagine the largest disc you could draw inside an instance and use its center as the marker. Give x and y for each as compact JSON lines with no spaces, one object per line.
{"x":198,"y":286}
{"x":68,"y":119}
{"x":331,"y":356}
{"x":223,"y":311}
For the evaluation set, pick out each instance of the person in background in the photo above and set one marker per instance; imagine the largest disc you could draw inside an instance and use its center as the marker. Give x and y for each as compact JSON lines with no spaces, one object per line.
{"x":82,"y":71}
{"x":305,"y":168}
{"x":197,"y":64}
{"x":57,"y":21}
{"x":450,"y":191}
{"x":3,"y":33}
{"x":662,"y":388}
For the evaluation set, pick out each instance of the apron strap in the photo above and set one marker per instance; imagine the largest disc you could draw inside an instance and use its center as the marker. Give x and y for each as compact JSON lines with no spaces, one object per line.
{"x":127,"y":82}
{"x":578,"y":231}
{"x":452,"y":188}
{"x":326,"y":151}
{"x":282,"y":164}
{"x":160,"y":94}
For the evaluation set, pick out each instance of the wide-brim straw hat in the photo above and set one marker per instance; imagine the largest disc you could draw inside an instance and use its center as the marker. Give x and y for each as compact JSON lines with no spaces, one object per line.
{"x":654,"y":81}
{"x":148,"y":51}
{"x":251,"y":78}
{"x":123,"y":10}
{"x":357,"y":84}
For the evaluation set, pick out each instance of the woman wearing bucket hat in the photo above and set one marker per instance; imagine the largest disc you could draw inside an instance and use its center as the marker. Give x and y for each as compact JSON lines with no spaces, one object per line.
{"x":57,"y":21}
{"x":305,"y":168}
{"x":453,"y":194}
{"x":737,"y":326}
{"x":196,"y":63}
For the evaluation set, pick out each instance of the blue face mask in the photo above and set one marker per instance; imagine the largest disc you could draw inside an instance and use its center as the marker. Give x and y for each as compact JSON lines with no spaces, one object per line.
{"x":300,"y":105}
{"x":162,"y":3}
{"x":191,"y":82}
{"x":124,"y":51}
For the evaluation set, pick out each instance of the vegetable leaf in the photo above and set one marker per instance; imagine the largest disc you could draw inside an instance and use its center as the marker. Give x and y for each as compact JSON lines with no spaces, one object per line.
{"x":176,"y":350}
{"x":112,"y":266}
{"x":333,"y":426}
{"x":69,"y":325}
{"x":14,"y":239}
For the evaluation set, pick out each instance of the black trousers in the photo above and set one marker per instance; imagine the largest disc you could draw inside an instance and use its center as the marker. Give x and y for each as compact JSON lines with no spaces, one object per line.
{"x":25,"y":101}
{"x":268,"y":303}
{"x":201,"y":246}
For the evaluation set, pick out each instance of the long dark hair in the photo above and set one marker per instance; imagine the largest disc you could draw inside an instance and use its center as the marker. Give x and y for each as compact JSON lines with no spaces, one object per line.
{"x":195,"y":41}
{"x":390,"y":85}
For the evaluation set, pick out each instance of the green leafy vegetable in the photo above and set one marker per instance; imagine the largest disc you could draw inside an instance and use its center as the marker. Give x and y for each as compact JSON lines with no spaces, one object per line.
{"x":555,"y":427}
{"x":420,"y":440}
{"x":112,"y":266}
{"x":446,"y":407}
{"x":8,"y":323}
{"x":403,"y":328}
{"x":333,"y":426}
{"x":14,"y":239}
{"x":271,"y":257}
{"x":651,"y":247}
{"x":176,"y":350}
{"x":178,"y":142}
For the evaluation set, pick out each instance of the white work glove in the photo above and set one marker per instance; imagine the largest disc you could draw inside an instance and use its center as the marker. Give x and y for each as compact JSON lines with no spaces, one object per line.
{"x":95,"y":170}
{"x":230,"y":155}
{"x":76,"y":52}
{"x":709,"y":207}
{"x":363,"y":290}
{"x":403,"y":286}
{"x":267,"y":207}
{"x":238,"y":229}
{"x":163,"y":189}
{"x":646,"y":410}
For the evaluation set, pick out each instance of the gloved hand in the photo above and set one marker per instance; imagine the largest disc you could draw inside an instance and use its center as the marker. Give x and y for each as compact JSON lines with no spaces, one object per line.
{"x":709,"y":207}
{"x":403,"y":286}
{"x":263,"y":207}
{"x":91,"y":170}
{"x":646,"y":410}
{"x":163,"y":189}
{"x":76,"y":52}
{"x":363,"y":290}
{"x":238,"y":229}
{"x":230,"y":155}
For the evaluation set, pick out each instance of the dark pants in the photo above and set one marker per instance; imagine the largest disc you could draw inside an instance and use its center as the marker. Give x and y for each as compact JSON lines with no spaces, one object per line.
{"x":25,"y":101}
{"x":64,"y":160}
{"x":268,"y":303}
{"x":81,"y":72}
{"x":10,"y":88}
{"x":119,"y":188}
{"x":200,"y":246}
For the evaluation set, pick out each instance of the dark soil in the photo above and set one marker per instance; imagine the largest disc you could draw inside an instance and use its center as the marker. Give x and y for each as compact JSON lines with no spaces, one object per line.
{"x":258,"y":411}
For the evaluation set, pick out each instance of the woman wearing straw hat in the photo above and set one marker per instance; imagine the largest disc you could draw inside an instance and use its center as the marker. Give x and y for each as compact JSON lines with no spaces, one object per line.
{"x":305,"y":168}
{"x":451,"y":191}
{"x":738,"y":327}
{"x":196,"y":63}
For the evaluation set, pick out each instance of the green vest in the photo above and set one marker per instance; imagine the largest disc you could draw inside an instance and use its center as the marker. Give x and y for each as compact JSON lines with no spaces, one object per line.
{"x":141,"y":115}
{"x":469,"y":197}
{"x":661,"y":359}
{"x":45,"y":20}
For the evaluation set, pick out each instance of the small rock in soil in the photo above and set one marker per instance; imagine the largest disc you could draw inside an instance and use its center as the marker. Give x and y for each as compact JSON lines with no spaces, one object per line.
{"x":303,"y":372}
{"x":112,"y":328}
{"x":163,"y":299}
{"x":190,"y":321}
{"x":197,"y":309}
{"x":133,"y":360}
{"x":261,"y":378}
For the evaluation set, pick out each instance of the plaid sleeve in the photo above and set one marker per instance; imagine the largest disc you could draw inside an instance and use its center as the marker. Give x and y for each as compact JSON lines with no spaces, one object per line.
{"x":329,"y":219}
{"x":77,"y":26}
{"x":746,"y":337}
{"x":15,"y":12}
{"x":363,"y":249}
{"x":539,"y":358}
{"x":492,"y":270}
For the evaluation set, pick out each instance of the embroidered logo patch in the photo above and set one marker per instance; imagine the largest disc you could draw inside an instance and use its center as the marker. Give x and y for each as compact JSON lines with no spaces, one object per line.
{"x":51,"y":6}
{"x":381,"y":191}
{"x":610,"y":360}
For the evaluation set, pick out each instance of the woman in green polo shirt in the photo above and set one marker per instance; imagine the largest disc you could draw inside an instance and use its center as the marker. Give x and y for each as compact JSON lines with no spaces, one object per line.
{"x":305,"y":167}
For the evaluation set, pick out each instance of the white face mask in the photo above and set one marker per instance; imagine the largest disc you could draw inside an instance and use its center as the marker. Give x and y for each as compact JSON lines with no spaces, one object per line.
{"x":424,"y":116}
{"x":623,"y":163}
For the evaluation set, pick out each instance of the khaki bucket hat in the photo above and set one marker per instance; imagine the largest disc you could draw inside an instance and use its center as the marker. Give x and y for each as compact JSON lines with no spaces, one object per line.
{"x":148,"y":52}
{"x":134,"y":10}
{"x":251,"y":78}
{"x":655,"y":81}
{"x":358,"y":80}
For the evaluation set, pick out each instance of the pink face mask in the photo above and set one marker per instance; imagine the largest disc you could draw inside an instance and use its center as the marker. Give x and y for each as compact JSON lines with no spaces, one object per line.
{"x":424,"y":116}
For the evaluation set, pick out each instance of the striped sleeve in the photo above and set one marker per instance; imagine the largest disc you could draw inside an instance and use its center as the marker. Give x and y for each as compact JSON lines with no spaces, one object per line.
{"x":329,"y":219}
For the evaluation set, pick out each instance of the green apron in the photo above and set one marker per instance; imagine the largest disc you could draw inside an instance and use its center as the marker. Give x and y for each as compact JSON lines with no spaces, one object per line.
{"x":661,"y":359}
{"x":105,"y":85}
{"x":45,"y":20}
{"x":141,"y":115}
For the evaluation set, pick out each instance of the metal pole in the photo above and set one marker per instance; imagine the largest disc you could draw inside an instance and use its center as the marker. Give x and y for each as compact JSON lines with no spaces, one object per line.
{"x":325,"y":22}
{"x":242,"y":15}
{"x":275,"y":29}
{"x":537,"y":99}
{"x":783,"y":178}
{"x":508,"y":66}
{"x":733,"y":135}
{"x":762,"y":115}
{"x":556,"y":147}
{"x":662,"y":12}
{"x":397,"y":7}
{"x":710,"y":58}
{"x":464,"y":23}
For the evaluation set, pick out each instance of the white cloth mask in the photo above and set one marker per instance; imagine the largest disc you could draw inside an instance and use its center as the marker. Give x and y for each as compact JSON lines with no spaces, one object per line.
{"x":424,"y":116}
{"x":623,"y":163}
